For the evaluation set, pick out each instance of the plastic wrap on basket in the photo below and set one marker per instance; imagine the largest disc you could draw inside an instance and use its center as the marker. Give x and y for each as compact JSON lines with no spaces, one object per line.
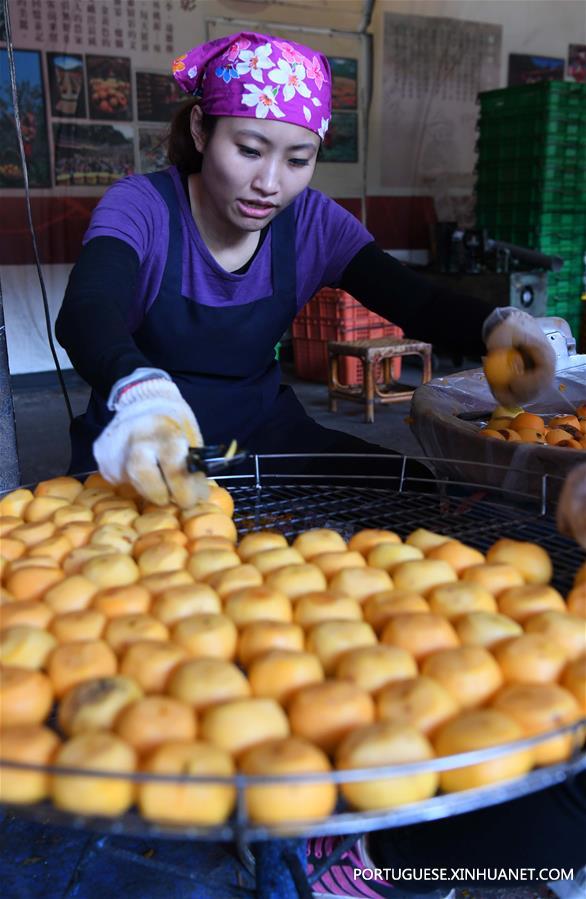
{"x":440,"y":419}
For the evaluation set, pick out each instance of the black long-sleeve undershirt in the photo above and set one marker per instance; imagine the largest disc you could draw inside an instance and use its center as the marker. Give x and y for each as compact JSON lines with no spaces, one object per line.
{"x":424,"y":311}
{"x":92,"y":323}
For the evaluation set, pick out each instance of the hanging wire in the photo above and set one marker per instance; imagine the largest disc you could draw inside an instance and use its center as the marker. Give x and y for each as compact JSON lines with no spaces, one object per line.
{"x":14,"y":90}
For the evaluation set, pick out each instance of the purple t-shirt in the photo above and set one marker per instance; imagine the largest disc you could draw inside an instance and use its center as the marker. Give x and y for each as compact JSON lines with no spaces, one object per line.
{"x":327,"y":239}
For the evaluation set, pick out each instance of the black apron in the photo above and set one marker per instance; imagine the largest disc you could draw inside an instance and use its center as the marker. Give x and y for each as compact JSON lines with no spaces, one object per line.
{"x":222,"y":358}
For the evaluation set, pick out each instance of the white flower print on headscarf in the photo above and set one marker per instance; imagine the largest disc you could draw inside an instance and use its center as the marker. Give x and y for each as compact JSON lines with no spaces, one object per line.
{"x":263,"y":100}
{"x":323,"y":128}
{"x":293,"y":77}
{"x":254,"y":61}
{"x":230,"y":76}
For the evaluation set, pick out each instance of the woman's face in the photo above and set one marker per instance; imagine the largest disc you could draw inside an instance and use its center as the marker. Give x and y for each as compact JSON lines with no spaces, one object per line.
{"x":253,"y":168}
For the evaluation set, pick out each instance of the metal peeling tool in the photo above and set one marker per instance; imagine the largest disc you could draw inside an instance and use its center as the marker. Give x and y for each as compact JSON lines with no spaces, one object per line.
{"x":215,"y":458}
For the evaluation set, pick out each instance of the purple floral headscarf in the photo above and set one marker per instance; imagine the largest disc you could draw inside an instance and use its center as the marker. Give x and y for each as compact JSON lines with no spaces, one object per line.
{"x":258,"y":76}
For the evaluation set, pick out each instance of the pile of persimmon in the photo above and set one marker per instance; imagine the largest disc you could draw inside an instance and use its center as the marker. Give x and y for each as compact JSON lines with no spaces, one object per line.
{"x":141,"y":640}
{"x":562,"y":431}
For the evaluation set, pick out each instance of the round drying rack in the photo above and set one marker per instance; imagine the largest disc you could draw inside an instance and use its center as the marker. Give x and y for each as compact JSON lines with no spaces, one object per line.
{"x":347,"y":493}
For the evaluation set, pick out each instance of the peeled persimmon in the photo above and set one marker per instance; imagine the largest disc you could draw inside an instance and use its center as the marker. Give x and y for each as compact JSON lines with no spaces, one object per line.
{"x":502,"y":365}
{"x":489,"y":432}
{"x":527,"y":420}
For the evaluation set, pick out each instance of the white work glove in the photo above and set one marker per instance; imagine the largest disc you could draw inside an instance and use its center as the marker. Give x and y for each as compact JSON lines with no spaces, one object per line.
{"x":147,"y":441}
{"x":571,"y":512}
{"x":507,"y":327}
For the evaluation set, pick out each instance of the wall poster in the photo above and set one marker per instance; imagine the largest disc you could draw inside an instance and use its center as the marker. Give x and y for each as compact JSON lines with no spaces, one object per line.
{"x":341,"y":141}
{"x":525,"y":69}
{"x":344,"y":82}
{"x":577,"y":63}
{"x":157,"y":96}
{"x":109,"y":88}
{"x":152,"y":145}
{"x":66,"y":85}
{"x":29,"y":78}
{"x":88,"y":155}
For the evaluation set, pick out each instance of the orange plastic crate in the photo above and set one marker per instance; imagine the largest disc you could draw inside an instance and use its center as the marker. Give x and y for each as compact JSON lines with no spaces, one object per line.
{"x":335,"y":315}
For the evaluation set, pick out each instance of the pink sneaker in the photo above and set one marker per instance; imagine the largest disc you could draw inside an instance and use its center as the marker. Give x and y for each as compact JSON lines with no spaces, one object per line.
{"x":341,"y":880}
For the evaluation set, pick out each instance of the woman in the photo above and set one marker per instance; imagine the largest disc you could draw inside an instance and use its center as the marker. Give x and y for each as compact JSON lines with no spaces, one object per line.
{"x":188,"y":277}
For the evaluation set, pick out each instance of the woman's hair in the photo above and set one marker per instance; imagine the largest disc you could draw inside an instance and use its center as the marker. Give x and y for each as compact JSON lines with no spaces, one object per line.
{"x":181,"y":150}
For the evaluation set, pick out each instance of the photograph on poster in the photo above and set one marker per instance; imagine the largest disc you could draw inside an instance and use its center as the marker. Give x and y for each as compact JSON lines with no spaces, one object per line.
{"x":341,"y":140}
{"x":66,"y":85}
{"x":344,"y":82}
{"x":90,"y":155}
{"x":33,"y":122}
{"x":152,"y":146}
{"x":525,"y":69}
{"x":157,"y":96}
{"x":577,"y":63}
{"x":109,"y":91}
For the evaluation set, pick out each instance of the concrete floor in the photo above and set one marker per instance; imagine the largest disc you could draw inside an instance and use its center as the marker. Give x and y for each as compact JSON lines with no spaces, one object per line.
{"x":43,"y":445}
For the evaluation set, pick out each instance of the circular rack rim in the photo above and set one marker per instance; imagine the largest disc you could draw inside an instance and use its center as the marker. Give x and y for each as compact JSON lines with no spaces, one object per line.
{"x":404,"y":479}
{"x":341,"y":821}
{"x":260,"y":477}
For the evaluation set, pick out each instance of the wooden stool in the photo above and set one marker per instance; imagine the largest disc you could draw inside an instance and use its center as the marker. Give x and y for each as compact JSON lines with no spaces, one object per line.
{"x":379,"y":349}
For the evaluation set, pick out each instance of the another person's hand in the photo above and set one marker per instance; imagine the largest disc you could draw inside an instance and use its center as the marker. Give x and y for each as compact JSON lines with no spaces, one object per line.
{"x":147,"y":441}
{"x":571,"y":512}
{"x":510,"y":328}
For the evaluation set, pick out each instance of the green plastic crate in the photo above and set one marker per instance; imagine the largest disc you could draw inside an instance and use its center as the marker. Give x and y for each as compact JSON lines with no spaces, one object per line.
{"x":572,"y":271}
{"x":552,"y":244}
{"x":548,"y":173}
{"x":563,"y":302}
{"x":564,"y":226}
{"x":570,"y":280}
{"x":536,"y":195}
{"x":551,"y":95}
{"x":568,"y":293}
{"x":566,"y":153}
{"x":563,"y":233}
{"x":544,"y":126}
{"x":568,"y":246}
{"x":562,"y":223}
{"x":574,"y":319}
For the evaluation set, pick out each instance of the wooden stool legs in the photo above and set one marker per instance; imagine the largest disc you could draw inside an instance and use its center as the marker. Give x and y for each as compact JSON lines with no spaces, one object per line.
{"x":368,"y":380}
{"x":333,"y":382}
{"x":372,"y":352}
{"x":426,"y":357}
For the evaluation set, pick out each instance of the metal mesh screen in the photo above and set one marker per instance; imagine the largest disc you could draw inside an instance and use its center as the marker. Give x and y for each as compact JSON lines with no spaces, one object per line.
{"x":468,"y":516}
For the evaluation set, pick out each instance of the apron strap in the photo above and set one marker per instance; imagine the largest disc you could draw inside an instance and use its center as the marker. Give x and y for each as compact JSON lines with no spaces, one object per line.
{"x":283,"y":255}
{"x":172,"y":273}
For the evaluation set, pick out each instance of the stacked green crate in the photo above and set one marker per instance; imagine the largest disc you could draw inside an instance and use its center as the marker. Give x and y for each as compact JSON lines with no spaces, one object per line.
{"x":531,"y":179}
